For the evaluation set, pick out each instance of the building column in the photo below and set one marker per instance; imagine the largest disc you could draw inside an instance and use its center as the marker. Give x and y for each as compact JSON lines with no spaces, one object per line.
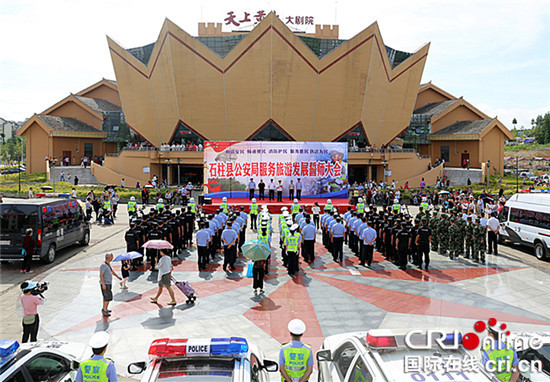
{"x":168,"y":174}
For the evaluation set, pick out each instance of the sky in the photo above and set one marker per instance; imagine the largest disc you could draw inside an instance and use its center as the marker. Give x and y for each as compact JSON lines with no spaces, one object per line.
{"x":496,"y":54}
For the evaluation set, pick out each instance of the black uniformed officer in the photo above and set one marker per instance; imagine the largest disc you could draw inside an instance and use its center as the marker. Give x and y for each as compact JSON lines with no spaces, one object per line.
{"x":152,"y":254}
{"x":388,"y":248}
{"x":402,"y":243}
{"x":131,"y":238}
{"x":423,"y":240}
{"x":189,"y":218}
{"x":413,"y":249}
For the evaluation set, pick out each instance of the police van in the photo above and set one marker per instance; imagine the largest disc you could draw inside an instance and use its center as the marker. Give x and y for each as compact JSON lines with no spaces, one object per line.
{"x":57,"y":223}
{"x":525,"y":219}
{"x":230,"y":359}
{"x":384,"y":355}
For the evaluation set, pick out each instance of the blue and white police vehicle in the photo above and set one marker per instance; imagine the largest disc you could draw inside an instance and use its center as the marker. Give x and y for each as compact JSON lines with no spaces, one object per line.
{"x":204,"y":359}
{"x":41,"y":361}
{"x":382,"y":355}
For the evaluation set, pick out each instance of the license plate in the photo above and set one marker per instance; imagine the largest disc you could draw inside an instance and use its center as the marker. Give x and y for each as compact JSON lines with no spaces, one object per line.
{"x":4,"y":242}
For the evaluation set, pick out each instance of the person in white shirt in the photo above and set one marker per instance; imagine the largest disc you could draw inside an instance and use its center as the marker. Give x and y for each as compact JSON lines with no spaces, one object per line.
{"x":493,"y":226}
{"x":271,"y":188}
{"x":73,"y":194}
{"x":31,"y":193}
{"x":164,"y":267}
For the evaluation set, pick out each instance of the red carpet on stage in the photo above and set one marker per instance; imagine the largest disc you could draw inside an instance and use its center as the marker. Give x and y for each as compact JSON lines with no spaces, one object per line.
{"x":275,"y":207}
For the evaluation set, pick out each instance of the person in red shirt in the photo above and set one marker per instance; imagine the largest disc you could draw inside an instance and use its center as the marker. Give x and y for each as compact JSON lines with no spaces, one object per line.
{"x":28,"y":247}
{"x":30,"y":304}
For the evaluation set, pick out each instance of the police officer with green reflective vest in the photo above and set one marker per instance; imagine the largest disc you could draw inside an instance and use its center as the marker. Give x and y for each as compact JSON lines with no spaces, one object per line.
{"x":192,"y":206}
{"x":424,"y":205}
{"x":296,"y":357}
{"x":295,"y":208}
{"x":160,"y":205}
{"x":360,"y":206}
{"x":329,"y":206}
{"x":254,"y":215}
{"x":498,"y":359}
{"x":396,"y":206}
{"x":224,"y":206}
{"x":292,"y":243}
{"x":132,"y":206}
{"x":106,"y":203}
{"x":97,"y":368}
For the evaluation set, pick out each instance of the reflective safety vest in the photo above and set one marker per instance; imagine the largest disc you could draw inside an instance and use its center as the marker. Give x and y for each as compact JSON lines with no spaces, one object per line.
{"x":295,"y":208}
{"x":94,"y":370}
{"x":359,"y":375}
{"x":504,"y":373}
{"x":263,"y":238}
{"x":296,"y":361}
{"x":225,"y":207}
{"x":424,"y":206}
{"x":131,"y":206}
{"x":328,"y":207}
{"x":159,"y":206}
{"x":291,"y":242}
{"x":286,"y":233}
{"x":106,"y":204}
{"x":193,"y":207}
{"x":360,"y":207}
{"x":397,"y":207}
{"x":355,"y":192}
{"x":253,"y":209}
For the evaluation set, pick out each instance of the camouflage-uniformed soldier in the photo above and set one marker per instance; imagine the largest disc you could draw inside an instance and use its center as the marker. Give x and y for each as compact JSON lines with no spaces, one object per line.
{"x":443,"y":234}
{"x":461,"y":223}
{"x":454,"y":240}
{"x":469,"y":230}
{"x":480,"y":236}
{"x":433,"y":222}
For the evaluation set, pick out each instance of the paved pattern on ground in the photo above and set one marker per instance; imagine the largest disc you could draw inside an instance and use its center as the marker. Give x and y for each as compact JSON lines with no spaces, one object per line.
{"x":330,"y":297}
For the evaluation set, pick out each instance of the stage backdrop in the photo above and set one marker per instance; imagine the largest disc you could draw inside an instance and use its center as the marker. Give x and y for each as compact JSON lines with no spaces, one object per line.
{"x":321,"y":166}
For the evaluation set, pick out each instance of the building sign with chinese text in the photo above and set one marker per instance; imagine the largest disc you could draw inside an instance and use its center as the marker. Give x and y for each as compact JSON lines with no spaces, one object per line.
{"x":240,"y":19}
{"x":320,"y":167}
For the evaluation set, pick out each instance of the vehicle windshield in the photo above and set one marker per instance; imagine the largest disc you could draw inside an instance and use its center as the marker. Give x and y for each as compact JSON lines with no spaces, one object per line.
{"x":15,"y":219}
{"x":196,"y":370}
{"x":545,"y":355}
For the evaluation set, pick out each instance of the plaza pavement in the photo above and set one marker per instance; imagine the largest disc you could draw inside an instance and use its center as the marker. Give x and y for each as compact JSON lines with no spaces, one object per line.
{"x":329,"y":297}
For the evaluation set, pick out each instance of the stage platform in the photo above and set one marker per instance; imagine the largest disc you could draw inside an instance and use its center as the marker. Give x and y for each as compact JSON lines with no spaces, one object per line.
{"x":275,"y":207}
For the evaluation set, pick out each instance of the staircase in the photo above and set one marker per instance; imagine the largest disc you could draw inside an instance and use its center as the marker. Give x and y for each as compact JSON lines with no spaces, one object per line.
{"x":84,"y":174}
{"x":459,"y":176}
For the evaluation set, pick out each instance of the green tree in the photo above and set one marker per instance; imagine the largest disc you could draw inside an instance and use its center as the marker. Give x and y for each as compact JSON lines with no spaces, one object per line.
{"x":541,"y":129}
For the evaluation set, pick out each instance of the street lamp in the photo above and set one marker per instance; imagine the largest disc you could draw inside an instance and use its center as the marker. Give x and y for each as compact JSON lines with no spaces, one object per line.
{"x":370,"y":171}
{"x":179,"y":172}
{"x":517,"y":175}
{"x":488,"y":173}
{"x":385,"y":164}
{"x":168,"y":162}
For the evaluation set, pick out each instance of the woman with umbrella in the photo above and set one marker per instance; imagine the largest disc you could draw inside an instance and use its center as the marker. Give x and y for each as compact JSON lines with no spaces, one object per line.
{"x":258,"y":251}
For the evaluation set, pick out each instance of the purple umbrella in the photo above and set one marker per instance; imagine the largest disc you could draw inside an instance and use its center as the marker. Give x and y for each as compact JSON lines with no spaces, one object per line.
{"x":128,"y":256}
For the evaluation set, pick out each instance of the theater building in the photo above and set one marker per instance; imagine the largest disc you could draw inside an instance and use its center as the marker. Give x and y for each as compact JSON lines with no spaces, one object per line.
{"x":271,"y":83}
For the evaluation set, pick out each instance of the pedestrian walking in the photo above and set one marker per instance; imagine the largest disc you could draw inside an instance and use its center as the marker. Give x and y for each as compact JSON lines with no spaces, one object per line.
{"x":164,"y":278}
{"x":97,"y":368}
{"x":125,"y":271}
{"x":28,"y":251}
{"x":30,"y":304}
{"x":258,"y":273}
{"x":106,"y":280}
{"x":31,"y":193}
{"x":296,"y":357}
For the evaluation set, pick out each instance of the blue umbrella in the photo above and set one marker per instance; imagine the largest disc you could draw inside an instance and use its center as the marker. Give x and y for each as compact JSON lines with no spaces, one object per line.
{"x":128,"y":256}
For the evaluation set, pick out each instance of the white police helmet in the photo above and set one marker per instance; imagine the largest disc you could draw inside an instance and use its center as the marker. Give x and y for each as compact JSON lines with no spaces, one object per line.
{"x":424,"y":198}
{"x":192,"y":200}
{"x":99,"y":340}
{"x":396,"y":201}
{"x":295,"y":200}
{"x":296,"y":327}
{"x":133,"y":199}
{"x":253,"y":200}
{"x":360,"y":200}
{"x":329,"y":201}
{"x":160,"y":200}
{"x":224,"y":199}
{"x":294,"y":227}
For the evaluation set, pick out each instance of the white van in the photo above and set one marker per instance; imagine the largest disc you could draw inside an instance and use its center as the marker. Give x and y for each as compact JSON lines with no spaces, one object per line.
{"x":526,"y":220}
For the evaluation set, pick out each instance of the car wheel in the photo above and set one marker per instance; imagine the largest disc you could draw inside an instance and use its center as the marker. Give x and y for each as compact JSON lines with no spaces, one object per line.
{"x":86,"y":238}
{"x":540,"y":251}
{"x":50,"y":257}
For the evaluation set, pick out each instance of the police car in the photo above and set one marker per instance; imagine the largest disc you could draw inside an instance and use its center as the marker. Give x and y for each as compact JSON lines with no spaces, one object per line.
{"x":40,"y":361}
{"x":207,"y":359}
{"x":383,"y":355}
{"x":527,"y":354}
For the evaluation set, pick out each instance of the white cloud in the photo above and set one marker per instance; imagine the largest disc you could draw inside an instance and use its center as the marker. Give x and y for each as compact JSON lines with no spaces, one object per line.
{"x":506,"y":116}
